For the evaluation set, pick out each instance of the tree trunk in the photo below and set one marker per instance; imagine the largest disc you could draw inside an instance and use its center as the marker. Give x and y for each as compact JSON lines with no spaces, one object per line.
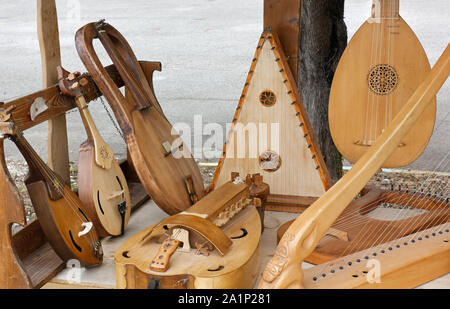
{"x":323,"y":38}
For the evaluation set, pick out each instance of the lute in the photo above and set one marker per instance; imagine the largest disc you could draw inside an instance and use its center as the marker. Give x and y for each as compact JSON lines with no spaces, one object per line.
{"x":102,"y":186}
{"x":379,"y":70}
{"x":62,"y":216}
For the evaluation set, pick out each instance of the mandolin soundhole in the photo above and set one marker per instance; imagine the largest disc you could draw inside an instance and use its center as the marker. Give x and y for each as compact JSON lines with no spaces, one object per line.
{"x":382,"y":79}
{"x":268,"y":98}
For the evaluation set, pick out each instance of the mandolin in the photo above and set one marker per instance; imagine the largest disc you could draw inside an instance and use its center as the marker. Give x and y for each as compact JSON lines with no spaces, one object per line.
{"x":379,"y":70}
{"x":161,"y":160}
{"x":62,"y":216}
{"x":102,"y":186}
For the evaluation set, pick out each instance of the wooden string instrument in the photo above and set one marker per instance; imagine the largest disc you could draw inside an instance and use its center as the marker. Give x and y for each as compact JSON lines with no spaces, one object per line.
{"x":379,"y":70}
{"x":356,"y":230}
{"x":284,"y":270}
{"x":61,"y":214}
{"x":280,"y":145}
{"x":102,"y":186}
{"x":160,"y":158}
{"x":213,"y":244}
{"x":12,"y":211}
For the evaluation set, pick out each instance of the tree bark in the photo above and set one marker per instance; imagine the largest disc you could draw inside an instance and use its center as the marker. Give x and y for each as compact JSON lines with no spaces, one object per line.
{"x":323,"y":38}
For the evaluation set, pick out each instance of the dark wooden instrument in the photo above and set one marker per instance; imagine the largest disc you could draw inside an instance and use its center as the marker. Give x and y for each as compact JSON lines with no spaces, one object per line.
{"x":61,"y":214}
{"x":213,"y":244}
{"x":12,"y":211}
{"x":160,"y":158}
{"x":379,"y":70}
{"x":102,"y":186}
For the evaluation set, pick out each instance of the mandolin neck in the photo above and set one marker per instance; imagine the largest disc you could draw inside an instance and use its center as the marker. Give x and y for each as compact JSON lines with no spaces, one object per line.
{"x":385,"y":9}
{"x":38,"y":169}
{"x":86,"y":117}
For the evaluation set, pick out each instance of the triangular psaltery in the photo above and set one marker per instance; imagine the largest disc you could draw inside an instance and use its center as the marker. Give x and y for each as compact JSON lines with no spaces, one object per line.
{"x":284,"y":150}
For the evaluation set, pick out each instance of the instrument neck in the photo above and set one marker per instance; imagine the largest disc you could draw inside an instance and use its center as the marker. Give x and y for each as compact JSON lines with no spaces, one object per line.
{"x":385,"y":9}
{"x":38,"y":169}
{"x":86,"y":117}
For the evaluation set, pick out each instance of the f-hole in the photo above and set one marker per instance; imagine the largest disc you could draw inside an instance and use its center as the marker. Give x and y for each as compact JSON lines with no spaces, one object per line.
{"x":99,"y":203}
{"x":218,"y":268}
{"x":79,"y":209}
{"x":74,"y":243}
{"x":120,"y":183}
{"x":244,"y":233}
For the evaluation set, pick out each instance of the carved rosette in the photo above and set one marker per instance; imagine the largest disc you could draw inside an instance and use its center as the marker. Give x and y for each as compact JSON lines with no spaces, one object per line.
{"x":382,"y":79}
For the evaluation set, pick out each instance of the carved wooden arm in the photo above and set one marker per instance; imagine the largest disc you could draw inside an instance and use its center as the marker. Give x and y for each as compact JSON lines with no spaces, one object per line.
{"x":284,"y":270}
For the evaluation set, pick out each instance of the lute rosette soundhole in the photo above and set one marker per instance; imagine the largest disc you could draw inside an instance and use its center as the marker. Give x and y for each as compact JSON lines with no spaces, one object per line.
{"x":382,"y":79}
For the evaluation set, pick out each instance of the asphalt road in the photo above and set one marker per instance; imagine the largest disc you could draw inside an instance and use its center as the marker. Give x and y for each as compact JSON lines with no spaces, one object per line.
{"x":205,"y":46}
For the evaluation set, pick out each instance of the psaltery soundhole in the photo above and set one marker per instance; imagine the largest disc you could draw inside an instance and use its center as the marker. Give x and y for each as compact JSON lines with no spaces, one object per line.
{"x":382,"y":79}
{"x":268,"y":98}
{"x":270,"y":161}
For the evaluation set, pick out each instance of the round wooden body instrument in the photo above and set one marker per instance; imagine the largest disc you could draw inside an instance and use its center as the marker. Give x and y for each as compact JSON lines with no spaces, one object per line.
{"x":213,"y":244}
{"x":61,"y":214}
{"x":159,"y":156}
{"x":379,"y":70}
{"x":102,"y":186}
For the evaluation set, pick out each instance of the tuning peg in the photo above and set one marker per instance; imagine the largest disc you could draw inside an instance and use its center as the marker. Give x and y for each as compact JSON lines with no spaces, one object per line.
{"x":83,"y":82}
{"x":75,"y":85}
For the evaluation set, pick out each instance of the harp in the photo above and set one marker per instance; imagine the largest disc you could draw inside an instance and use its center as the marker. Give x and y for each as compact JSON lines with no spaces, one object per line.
{"x":405,"y":262}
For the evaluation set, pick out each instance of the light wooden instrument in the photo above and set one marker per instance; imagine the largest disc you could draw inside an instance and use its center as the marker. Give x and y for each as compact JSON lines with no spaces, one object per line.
{"x":61,"y":214}
{"x":284,"y":270}
{"x":357,"y":229}
{"x":280,"y":145}
{"x":102,"y":186}
{"x":379,"y":70}
{"x":160,"y":159}
{"x":213,"y":244}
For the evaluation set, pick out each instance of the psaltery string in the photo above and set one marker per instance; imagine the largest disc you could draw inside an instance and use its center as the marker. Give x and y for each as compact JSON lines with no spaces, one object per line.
{"x":430,"y":224}
{"x":347,"y":222}
{"x":416,"y":191}
{"x":435,"y":206}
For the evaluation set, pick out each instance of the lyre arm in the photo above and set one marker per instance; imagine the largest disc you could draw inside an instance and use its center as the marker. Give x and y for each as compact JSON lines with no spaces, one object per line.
{"x":284,"y":269}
